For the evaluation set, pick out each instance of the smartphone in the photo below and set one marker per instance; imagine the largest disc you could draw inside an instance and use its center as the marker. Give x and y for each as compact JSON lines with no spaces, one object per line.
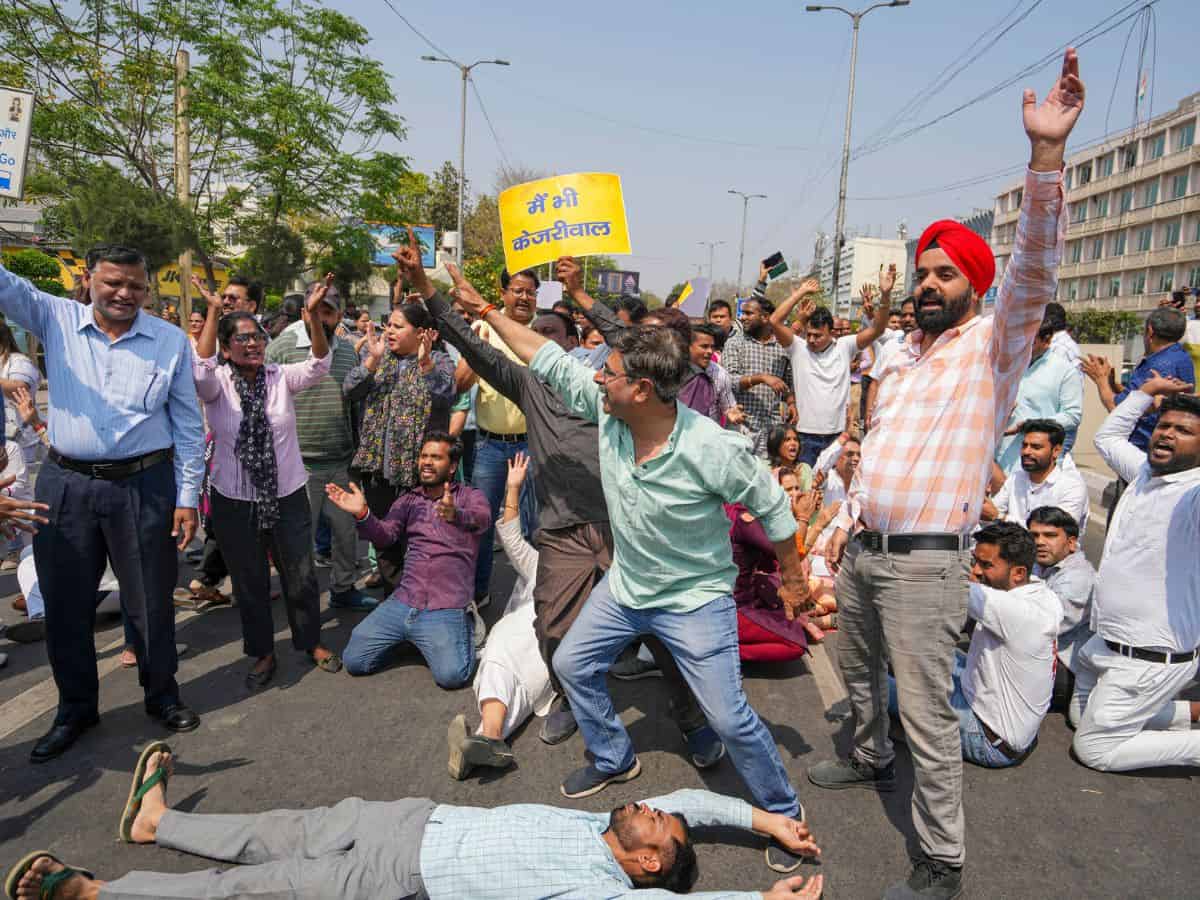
{"x":775,"y":265}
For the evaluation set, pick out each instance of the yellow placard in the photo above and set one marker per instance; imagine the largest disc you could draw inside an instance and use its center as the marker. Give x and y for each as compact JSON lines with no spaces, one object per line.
{"x":568,"y":215}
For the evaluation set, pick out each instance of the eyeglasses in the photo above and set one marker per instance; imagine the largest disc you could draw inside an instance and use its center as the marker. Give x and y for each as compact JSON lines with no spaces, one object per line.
{"x":524,"y":292}
{"x":608,"y":374}
{"x":248,"y":337}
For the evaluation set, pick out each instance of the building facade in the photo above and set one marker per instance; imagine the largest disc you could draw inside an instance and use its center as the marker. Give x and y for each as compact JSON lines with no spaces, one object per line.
{"x":1133,"y":207}
{"x":861,"y":260}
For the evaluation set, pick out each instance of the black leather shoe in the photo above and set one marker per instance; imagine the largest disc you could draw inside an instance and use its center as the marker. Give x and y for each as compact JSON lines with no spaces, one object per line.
{"x":176,"y":716}
{"x":256,"y":681}
{"x":58,"y":739}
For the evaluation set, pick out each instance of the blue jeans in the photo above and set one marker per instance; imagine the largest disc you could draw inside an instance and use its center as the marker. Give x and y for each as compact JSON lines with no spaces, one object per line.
{"x":704,"y":645}
{"x":811,"y":445}
{"x":445,"y":637}
{"x":491,"y":472}
{"x":976,"y":748}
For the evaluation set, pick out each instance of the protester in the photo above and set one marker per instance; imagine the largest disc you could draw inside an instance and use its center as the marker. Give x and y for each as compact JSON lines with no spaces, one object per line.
{"x":122,"y":479}
{"x":761,"y":372}
{"x":195,"y":326}
{"x":915,"y":499}
{"x":841,"y":458}
{"x":1068,"y":574}
{"x":821,"y":362}
{"x":1044,"y":478}
{"x":677,"y":592}
{"x":1146,"y":606}
{"x":1007,"y":675}
{"x":1050,"y":389}
{"x":325,"y":428}
{"x":256,"y":483}
{"x":784,"y":452}
{"x":720,"y":314}
{"x":441,"y":522}
{"x":407,"y":388}
{"x":883,"y":352}
{"x":18,"y":371}
{"x":711,"y":390}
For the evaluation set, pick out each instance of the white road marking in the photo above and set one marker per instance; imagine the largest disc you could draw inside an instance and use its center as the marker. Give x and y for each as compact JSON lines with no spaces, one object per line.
{"x":829,"y":685}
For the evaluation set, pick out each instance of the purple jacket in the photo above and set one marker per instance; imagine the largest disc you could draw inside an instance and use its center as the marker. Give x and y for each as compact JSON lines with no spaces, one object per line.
{"x":439,"y":565}
{"x":756,"y":590}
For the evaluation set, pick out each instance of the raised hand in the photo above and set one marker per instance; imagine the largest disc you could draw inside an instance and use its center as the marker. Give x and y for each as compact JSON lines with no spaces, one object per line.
{"x":318,"y":294}
{"x":464,"y":292}
{"x":570,"y":273}
{"x":408,"y":264}
{"x":425,"y":347}
{"x":804,"y":504}
{"x":1049,"y":124}
{"x":1096,"y":368}
{"x":806,"y":288}
{"x":26,"y":408}
{"x":351,"y":501}
{"x":210,"y":298}
{"x":868,"y":299}
{"x":887,"y":281}
{"x":445,"y":505}
{"x":518,"y":466}
{"x":1161,"y":385}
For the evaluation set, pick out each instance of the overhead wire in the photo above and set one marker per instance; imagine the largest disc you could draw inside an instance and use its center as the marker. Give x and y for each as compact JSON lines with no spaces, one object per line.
{"x":505,"y":165}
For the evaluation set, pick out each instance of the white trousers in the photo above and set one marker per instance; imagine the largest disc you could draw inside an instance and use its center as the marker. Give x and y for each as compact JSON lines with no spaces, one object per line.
{"x":35,"y":607}
{"x":1125,"y":712}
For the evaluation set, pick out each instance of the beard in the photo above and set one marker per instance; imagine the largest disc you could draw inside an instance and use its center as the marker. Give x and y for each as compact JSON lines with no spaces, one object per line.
{"x":1032,"y":464}
{"x":620,"y":823}
{"x":935,"y":321}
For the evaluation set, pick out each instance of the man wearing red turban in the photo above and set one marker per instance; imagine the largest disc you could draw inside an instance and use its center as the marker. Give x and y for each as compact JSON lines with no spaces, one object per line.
{"x":902,"y":537}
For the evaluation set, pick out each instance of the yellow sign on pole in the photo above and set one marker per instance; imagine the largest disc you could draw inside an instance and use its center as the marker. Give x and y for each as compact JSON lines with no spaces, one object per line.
{"x":568,"y":215}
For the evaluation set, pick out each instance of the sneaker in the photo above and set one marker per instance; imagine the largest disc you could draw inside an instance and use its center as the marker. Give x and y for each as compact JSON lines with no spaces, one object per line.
{"x":590,"y":780}
{"x":352,"y":599}
{"x":10,"y":563}
{"x":931,"y":879}
{"x":704,"y":747}
{"x":480,"y":626}
{"x":559,"y":725}
{"x":470,"y":750}
{"x":836,"y":774}
{"x":780,"y":858}
{"x":633,"y":669}
{"x":323,"y":560}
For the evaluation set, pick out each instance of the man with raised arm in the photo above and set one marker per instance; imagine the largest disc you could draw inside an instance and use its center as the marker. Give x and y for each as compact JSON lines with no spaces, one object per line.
{"x":905,"y":531}
{"x":666,"y":472}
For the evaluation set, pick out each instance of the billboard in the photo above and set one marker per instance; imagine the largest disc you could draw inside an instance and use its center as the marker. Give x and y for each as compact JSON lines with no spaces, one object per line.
{"x":16,"y":121}
{"x":612,"y":281}
{"x":389,"y":237}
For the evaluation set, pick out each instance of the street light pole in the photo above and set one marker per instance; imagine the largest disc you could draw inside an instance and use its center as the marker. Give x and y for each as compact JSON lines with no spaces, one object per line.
{"x":465,"y":71}
{"x":712,"y":245}
{"x":746,"y":198}
{"x":839,"y":239}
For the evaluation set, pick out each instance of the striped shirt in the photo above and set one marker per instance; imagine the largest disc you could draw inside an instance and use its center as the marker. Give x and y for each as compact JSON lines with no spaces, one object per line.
{"x":939,"y":414}
{"x":743,"y":356}
{"x":113,"y":399}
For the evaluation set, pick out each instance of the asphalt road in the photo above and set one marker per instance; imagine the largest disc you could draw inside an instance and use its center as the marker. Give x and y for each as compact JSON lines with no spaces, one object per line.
{"x":1049,"y":828}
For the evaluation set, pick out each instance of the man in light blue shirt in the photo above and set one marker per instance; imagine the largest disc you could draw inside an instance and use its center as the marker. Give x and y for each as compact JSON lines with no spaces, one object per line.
{"x":1051,"y":388}
{"x":121,"y":480}
{"x":666,"y":472}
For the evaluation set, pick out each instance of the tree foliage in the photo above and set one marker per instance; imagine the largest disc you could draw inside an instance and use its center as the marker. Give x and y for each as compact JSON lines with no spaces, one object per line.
{"x":39,"y":267}
{"x":344,"y":248}
{"x":1103,"y":326}
{"x":275,"y":256}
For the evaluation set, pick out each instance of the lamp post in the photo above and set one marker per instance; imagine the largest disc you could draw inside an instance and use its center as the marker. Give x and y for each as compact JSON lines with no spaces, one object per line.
{"x":838,"y":238}
{"x":711,"y":245}
{"x":746,"y":198}
{"x":465,"y":71}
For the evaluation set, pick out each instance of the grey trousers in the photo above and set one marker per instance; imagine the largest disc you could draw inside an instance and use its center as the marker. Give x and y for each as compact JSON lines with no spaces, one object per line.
{"x":343,"y":534}
{"x":913,"y":607}
{"x":353,"y":850}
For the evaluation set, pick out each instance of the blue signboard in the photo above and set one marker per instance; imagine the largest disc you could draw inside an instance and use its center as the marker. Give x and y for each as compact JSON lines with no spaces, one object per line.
{"x":389,"y":237}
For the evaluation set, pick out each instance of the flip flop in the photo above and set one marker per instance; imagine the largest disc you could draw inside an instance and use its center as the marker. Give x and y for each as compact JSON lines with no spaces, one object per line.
{"x":139,"y":788}
{"x":49,"y":884}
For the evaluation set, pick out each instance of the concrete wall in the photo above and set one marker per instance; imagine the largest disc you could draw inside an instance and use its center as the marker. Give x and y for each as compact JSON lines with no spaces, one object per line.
{"x":1093,"y":410}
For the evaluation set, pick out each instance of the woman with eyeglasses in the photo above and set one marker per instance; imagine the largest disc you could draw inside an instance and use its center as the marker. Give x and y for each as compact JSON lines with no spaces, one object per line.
{"x":256,"y":481}
{"x":407,"y":388}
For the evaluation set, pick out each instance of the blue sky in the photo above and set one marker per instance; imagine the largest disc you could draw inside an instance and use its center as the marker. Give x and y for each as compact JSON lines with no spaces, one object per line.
{"x":688,"y":100}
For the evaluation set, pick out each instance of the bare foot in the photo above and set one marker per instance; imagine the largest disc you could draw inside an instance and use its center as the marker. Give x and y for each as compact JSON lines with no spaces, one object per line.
{"x":75,"y":888}
{"x":128,"y":658}
{"x":154,"y":804}
{"x":319,"y":653}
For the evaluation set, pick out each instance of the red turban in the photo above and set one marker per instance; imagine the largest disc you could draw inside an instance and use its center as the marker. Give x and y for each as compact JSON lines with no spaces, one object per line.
{"x":966,"y":249}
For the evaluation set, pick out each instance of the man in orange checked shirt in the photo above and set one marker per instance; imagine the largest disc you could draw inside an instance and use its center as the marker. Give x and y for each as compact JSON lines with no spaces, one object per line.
{"x":942,"y":405}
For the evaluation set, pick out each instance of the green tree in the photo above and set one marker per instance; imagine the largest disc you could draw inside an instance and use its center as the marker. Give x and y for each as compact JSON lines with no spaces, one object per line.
{"x":39,"y":267}
{"x":274,"y":256}
{"x":441,"y":201}
{"x":1103,"y":326}
{"x":346,"y":249}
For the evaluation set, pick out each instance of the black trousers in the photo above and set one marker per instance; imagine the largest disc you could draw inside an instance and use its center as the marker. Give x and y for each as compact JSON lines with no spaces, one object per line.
{"x":245,"y":548}
{"x":380,"y":497}
{"x":92,"y":521}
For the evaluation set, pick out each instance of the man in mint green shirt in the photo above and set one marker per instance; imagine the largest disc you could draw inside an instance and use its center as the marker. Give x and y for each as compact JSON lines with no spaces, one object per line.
{"x":667,"y":472}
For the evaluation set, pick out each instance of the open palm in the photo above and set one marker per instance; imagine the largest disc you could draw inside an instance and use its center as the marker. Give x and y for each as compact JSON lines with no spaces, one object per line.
{"x":1053,"y":120}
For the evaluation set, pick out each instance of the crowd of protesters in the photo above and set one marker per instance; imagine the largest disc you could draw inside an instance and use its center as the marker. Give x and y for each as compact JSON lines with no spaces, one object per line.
{"x":675,"y":497}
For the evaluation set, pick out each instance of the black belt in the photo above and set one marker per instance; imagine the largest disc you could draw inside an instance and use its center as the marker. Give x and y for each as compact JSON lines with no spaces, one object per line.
{"x":506,"y":438}
{"x":1154,"y":656}
{"x":1002,"y":745}
{"x":115,"y":469}
{"x":907,"y":543}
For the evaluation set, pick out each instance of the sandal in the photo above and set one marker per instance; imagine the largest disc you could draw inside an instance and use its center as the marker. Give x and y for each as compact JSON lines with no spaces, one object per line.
{"x":331,"y":663}
{"x":50,"y":883}
{"x":128,"y":658}
{"x":141,"y":786}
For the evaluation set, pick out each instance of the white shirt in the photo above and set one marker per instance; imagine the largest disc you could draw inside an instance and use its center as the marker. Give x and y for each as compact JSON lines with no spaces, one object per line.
{"x":1009,"y":675}
{"x":1148,"y":587}
{"x":1063,"y":487}
{"x":822,"y":384}
{"x":884,"y":350}
{"x":834,"y":488}
{"x":1064,"y":345}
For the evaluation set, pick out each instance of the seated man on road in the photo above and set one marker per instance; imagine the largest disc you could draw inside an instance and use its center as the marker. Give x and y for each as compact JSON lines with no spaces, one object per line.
{"x":442,"y":521}
{"x":1146,"y":608}
{"x":414,"y":848}
{"x":1044,"y":478}
{"x":512,"y":682}
{"x":1068,"y":574}
{"x":1002,"y":686}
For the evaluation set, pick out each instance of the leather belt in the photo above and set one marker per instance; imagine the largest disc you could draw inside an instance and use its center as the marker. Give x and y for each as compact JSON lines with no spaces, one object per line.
{"x":1002,"y":745}
{"x":116,"y":469}
{"x":907,"y":543}
{"x":505,"y":438}
{"x":1154,"y":656}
